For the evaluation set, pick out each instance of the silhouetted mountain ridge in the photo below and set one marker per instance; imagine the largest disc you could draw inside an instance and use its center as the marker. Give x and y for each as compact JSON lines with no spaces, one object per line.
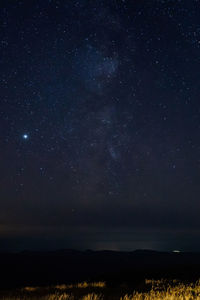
{"x":69,"y":265}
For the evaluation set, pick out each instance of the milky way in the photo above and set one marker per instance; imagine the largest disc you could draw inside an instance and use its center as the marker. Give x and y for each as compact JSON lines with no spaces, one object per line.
{"x":100,"y":124}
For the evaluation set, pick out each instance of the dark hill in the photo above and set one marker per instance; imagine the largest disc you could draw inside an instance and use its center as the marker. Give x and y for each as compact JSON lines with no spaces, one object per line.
{"x":65,"y":266}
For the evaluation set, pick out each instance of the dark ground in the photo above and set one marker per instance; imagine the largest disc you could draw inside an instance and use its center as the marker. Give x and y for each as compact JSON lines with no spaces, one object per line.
{"x":70,"y":266}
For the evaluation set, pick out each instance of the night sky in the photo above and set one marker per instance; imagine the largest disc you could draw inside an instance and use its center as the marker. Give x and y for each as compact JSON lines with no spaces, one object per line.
{"x":100,"y":124}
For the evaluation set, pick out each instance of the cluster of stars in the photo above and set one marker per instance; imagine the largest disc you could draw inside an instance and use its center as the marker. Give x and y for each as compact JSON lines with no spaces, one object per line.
{"x":99,"y":108}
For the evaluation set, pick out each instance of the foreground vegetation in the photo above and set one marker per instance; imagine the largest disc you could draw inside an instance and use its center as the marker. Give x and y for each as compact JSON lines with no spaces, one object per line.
{"x":155,"y":290}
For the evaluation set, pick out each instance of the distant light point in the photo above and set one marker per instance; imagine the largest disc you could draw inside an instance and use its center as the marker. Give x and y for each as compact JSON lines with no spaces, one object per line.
{"x":176,"y":251}
{"x":25,"y":136}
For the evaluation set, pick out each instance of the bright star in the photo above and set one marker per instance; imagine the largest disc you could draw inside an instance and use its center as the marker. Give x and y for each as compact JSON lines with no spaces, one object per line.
{"x":25,"y":136}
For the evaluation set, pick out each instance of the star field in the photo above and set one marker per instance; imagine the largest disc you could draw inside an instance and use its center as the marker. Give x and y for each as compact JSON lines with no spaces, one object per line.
{"x":100,"y":123}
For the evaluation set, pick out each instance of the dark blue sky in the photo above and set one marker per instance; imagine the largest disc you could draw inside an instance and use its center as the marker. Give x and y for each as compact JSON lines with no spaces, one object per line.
{"x":99,"y":124}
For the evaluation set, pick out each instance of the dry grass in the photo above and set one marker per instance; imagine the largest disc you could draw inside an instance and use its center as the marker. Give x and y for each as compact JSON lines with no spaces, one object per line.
{"x":159,"y":290}
{"x":54,"y":296}
{"x":81,"y":285}
{"x":30,"y":289}
{"x":92,"y":297}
